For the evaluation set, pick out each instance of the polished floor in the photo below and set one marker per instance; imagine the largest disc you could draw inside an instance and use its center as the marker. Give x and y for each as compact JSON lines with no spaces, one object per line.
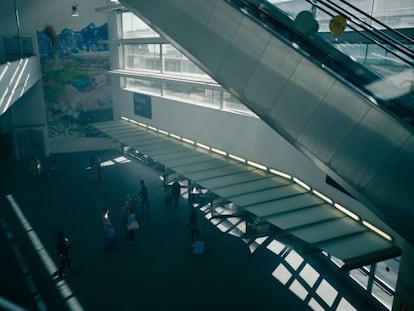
{"x":159,"y":271}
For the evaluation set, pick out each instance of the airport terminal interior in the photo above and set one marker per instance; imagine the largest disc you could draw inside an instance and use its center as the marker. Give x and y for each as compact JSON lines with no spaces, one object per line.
{"x":288,"y":125}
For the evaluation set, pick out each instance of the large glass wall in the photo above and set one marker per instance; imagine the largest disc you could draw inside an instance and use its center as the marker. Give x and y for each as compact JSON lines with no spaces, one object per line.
{"x":173,"y":75}
{"x":133,"y":27}
{"x":176,"y":63}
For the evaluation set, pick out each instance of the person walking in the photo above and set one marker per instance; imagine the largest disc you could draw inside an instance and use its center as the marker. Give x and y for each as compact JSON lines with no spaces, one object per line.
{"x":110,"y":241}
{"x":62,"y":246}
{"x":106,"y":221}
{"x":96,"y":164}
{"x":124,"y":214}
{"x":194,"y":225}
{"x":143,"y":195}
{"x":131,"y":226}
{"x":176,"y":192}
{"x":36,"y":168}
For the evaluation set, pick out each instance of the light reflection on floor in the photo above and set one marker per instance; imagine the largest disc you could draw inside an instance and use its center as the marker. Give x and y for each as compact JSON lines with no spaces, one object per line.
{"x":293,"y":271}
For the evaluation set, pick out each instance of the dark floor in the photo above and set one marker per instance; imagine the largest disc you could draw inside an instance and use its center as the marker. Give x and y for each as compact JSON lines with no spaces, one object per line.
{"x":158,"y":272}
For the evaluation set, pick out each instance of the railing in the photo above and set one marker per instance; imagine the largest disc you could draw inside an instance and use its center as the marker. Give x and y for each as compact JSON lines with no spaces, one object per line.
{"x":378,"y":63}
{"x":370,"y":32}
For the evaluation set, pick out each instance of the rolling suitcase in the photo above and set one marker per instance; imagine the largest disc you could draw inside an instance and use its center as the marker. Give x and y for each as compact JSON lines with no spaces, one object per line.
{"x":198,"y":247}
{"x":110,"y":240}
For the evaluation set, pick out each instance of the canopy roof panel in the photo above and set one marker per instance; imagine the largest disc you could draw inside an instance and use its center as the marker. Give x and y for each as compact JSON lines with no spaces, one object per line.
{"x":277,"y":200}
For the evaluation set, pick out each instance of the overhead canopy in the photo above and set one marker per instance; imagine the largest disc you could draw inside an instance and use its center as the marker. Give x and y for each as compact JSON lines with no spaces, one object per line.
{"x":277,"y":200}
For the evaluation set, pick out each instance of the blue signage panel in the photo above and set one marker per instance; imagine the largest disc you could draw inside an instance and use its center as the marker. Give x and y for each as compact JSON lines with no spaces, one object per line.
{"x":142,"y":105}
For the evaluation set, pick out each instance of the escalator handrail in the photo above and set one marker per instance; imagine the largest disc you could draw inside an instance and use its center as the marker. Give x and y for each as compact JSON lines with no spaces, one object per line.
{"x":261,"y":10}
{"x":401,"y":35}
{"x":371,"y":29}
{"x":279,"y":17}
{"x":374,"y":32}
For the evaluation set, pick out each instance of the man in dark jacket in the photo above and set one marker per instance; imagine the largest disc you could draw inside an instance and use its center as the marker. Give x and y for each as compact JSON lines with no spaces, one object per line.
{"x":143,"y":195}
{"x":62,"y":247}
{"x":176,"y":192}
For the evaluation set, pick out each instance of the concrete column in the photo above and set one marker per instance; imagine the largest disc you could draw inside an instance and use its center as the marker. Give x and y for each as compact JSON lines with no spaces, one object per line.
{"x":404,"y":293}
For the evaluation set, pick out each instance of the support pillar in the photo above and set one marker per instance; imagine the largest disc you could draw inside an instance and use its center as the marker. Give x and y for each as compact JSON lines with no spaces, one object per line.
{"x":404,"y":292}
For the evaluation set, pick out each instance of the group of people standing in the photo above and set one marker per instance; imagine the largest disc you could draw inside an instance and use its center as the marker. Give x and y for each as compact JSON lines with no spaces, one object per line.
{"x":130,"y":223}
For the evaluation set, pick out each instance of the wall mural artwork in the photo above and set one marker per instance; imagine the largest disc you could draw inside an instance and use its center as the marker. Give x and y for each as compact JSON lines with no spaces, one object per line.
{"x":76,"y":82}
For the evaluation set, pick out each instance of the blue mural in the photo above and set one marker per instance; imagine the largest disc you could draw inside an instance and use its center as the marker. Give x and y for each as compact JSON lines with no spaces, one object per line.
{"x":76,"y":83}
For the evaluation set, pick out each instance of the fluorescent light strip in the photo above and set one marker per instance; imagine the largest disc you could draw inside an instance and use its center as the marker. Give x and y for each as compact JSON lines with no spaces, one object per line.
{"x":47,"y":261}
{"x":74,"y":304}
{"x":376,"y":230}
{"x":188,"y":141}
{"x":175,"y":136}
{"x":142,"y":124}
{"x":65,"y":290}
{"x":43,"y":254}
{"x":133,"y":121}
{"x":346,"y":211}
{"x":11,"y":81}
{"x":203,"y":146}
{"x":26,"y":225}
{"x":260,"y":166}
{"x":16,"y":85}
{"x":322,"y":196}
{"x":237,"y":158}
{"x":35,"y":240}
{"x":302,"y":184}
{"x":5,"y":68}
{"x":276,"y":172}
{"x":25,"y":84}
{"x":124,"y":118}
{"x":219,"y":151}
{"x":152,"y":128}
{"x":163,"y":132}
{"x":8,"y":305}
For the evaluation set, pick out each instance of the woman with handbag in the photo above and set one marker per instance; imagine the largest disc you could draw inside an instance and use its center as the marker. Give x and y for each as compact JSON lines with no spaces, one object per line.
{"x":131,"y":226}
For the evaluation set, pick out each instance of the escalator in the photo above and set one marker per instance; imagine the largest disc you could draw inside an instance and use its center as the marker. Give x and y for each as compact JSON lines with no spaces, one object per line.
{"x":349,"y":114}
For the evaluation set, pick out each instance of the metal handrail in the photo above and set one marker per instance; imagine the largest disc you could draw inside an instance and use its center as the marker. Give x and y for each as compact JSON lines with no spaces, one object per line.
{"x":374,"y":32}
{"x":371,"y":29}
{"x":275,"y":19}
{"x":379,"y":22}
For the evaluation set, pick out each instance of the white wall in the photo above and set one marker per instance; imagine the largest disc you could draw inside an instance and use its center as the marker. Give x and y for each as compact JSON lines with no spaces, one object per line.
{"x":241,"y":135}
{"x":29,"y":109}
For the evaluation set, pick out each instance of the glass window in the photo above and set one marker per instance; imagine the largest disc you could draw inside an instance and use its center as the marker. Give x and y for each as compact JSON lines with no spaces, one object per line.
{"x":142,"y":57}
{"x":177,"y":63}
{"x":387,"y":272}
{"x":143,"y":86}
{"x":360,"y":276}
{"x":382,"y":295}
{"x":232,"y":103}
{"x":192,"y":94}
{"x":291,"y":8}
{"x":133,"y":27}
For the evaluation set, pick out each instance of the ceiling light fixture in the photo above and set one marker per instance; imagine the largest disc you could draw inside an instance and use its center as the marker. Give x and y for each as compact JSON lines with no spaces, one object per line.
{"x":75,"y":11}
